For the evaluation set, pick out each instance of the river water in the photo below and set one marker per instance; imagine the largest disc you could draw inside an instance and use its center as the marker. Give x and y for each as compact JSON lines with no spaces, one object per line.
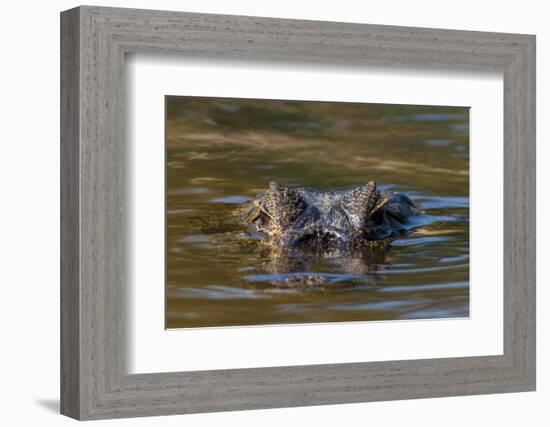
{"x":220,"y":153}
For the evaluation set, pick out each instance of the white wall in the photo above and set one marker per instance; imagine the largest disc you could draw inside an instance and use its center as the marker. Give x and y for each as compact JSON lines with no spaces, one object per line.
{"x":29,"y":172}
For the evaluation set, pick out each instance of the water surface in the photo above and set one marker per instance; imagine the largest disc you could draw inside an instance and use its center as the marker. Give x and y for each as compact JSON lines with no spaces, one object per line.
{"x":222,"y":152}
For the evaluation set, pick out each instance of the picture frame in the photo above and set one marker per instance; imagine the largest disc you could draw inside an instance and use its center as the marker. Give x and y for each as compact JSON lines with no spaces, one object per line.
{"x":94,"y":379}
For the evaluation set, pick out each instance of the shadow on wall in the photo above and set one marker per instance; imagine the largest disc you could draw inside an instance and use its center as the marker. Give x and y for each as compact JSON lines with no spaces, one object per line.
{"x":51,"y":405}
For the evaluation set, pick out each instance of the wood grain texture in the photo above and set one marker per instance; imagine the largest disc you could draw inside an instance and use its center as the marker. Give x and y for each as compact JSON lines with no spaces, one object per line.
{"x":95,"y":383}
{"x":70,"y":290}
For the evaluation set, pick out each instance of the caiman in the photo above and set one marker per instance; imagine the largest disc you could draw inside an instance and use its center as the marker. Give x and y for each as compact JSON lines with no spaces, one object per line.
{"x":324,"y":221}
{"x":350,"y":228}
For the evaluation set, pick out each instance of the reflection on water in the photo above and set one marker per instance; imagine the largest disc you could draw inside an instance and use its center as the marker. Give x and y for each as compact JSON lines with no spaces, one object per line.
{"x":222,"y":152}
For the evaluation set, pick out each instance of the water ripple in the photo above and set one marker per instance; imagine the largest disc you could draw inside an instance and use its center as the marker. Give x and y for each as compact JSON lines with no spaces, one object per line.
{"x":423,"y":269}
{"x":440,"y":202}
{"x":231,"y":200}
{"x":376,"y":306}
{"x":419,"y":241}
{"x":218,"y":292}
{"x":429,"y":117}
{"x":321,"y":278}
{"x":425,"y":287}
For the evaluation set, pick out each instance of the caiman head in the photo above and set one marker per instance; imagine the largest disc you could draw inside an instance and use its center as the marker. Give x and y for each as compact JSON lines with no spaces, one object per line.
{"x":323,"y":220}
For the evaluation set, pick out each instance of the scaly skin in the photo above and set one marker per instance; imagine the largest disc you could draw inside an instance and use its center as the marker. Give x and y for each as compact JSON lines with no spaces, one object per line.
{"x":328,"y":221}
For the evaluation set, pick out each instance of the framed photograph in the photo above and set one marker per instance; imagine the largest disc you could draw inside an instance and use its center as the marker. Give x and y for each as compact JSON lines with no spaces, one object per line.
{"x":262,"y":213}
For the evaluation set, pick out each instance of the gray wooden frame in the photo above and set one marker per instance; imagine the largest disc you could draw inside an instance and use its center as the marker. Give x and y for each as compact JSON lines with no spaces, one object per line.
{"x":94,"y":382}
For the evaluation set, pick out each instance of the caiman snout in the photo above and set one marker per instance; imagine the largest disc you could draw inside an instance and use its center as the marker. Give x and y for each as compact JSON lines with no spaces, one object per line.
{"x":317,"y":235}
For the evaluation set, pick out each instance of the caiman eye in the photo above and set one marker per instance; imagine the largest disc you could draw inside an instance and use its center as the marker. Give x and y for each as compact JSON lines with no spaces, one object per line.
{"x":263,"y":219}
{"x":377,"y":213}
{"x":259,"y":215}
{"x":253,"y":214}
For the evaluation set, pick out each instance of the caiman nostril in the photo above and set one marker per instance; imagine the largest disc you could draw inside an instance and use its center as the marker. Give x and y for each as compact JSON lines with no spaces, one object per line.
{"x":305,"y":235}
{"x":332,"y":232}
